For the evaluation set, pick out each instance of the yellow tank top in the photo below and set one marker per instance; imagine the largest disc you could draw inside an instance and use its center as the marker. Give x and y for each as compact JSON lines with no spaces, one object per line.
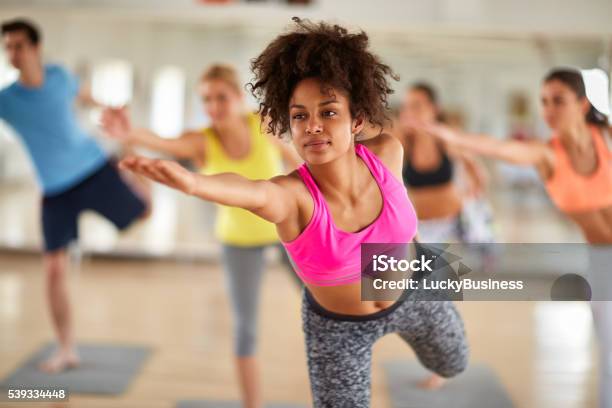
{"x":236,"y":226}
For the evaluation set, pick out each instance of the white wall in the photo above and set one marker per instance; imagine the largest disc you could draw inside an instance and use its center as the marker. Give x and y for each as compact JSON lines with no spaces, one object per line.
{"x":475,"y":53}
{"x":565,"y":17}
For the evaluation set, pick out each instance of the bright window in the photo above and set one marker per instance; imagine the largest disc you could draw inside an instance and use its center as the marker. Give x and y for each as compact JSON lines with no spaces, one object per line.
{"x":112,"y":82}
{"x":167,"y":109}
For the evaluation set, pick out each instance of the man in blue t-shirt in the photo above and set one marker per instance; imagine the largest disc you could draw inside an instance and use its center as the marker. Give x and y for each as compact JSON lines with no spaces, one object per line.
{"x":74,"y":173}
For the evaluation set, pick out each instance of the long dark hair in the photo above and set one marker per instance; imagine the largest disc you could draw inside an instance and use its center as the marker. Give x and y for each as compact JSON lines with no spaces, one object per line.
{"x":573,"y":79}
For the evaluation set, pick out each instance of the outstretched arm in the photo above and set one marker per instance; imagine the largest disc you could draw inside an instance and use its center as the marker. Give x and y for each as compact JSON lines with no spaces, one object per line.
{"x":265,"y":198}
{"x":477,"y":174}
{"x":513,"y":151}
{"x":190,"y":145}
{"x":86,"y":99}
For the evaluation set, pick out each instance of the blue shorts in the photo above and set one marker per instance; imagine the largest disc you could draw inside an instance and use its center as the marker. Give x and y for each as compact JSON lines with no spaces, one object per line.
{"x":104,"y":192}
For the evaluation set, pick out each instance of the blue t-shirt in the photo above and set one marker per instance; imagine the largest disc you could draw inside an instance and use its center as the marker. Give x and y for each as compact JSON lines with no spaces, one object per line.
{"x":44,"y":118}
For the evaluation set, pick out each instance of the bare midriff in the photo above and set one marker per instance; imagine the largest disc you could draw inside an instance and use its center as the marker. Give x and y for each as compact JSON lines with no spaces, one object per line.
{"x":436,"y":202}
{"x":346,"y":299}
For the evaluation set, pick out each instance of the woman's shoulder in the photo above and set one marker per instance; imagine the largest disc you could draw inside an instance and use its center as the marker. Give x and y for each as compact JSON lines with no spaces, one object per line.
{"x":386,"y":147}
{"x":204,"y":136}
{"x":294,"y":186}
{"x":292,"y":181}
{"x":381,"y":142}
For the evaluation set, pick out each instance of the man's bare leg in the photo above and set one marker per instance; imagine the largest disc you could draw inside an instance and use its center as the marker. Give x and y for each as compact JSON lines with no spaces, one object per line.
{"x":56,"y":285}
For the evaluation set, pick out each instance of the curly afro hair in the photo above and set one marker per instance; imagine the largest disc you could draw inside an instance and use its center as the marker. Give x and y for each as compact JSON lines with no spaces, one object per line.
{"x":330,"y":53}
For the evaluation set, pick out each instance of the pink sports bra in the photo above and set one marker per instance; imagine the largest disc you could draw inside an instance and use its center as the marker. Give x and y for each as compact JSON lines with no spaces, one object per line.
{"x":326,"y":256}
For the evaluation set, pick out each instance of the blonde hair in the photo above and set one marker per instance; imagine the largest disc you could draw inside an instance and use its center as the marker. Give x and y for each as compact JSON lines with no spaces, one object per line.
{"x":223,"y":72}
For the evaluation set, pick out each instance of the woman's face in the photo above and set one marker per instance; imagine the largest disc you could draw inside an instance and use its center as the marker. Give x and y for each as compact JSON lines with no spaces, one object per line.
{"x":222,"y":102}
{"x":417,"y":106}
{"x":561,"y":107}
{"x":321,"y":125}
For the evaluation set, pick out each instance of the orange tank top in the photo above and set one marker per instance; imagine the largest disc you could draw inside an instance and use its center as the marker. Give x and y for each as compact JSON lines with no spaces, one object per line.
{"x":573,"y":192}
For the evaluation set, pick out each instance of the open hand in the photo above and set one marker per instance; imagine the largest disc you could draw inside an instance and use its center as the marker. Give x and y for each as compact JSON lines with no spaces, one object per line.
{"x":165,"y":172}
{"x":116,"y":123}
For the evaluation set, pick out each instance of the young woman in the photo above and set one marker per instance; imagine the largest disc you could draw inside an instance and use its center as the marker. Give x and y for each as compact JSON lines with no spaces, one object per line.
{"x":576,"y":167}
{"x":323,"y":84}
{"x":234,"y":143}
{"x":428,"y":174}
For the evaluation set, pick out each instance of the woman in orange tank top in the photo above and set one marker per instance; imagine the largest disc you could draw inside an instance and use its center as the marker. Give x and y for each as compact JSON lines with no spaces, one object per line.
{"x":576,"y":167}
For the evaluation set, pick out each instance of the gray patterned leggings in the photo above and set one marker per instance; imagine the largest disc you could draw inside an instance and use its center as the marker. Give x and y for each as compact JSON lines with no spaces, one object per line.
{"x":339,"y":347}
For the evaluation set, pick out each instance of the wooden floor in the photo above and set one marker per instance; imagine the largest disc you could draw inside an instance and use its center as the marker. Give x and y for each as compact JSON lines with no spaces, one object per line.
{"x":543,"y":353}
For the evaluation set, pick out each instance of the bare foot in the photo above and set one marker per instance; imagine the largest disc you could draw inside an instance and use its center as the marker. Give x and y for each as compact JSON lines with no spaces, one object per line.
{"x":433,"y":382}
{"x":60,"y":361}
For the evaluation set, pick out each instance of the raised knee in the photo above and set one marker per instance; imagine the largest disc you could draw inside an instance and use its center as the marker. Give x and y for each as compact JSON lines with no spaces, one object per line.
{"x":147,"y":212}
{"x":456,"y":364}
